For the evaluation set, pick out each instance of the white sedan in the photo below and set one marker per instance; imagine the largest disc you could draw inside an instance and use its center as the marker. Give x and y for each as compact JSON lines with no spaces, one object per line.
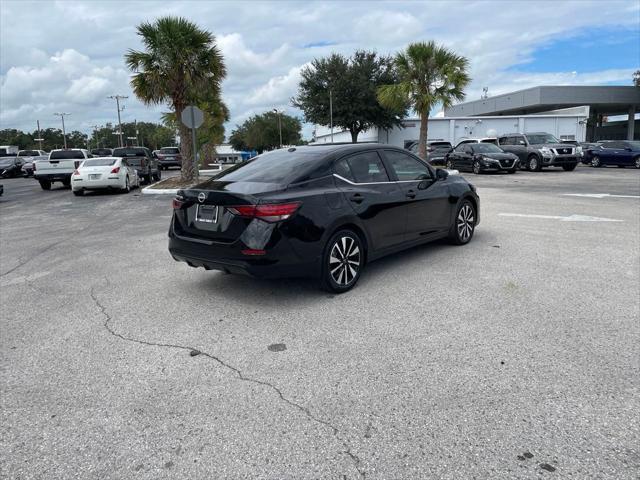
{"x":104,"y":172}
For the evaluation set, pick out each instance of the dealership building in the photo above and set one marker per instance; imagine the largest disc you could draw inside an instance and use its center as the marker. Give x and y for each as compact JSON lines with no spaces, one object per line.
{"x":579,"y":113}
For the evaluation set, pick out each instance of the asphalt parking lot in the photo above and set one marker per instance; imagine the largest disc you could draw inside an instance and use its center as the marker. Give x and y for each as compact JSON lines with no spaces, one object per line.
{"x":515,"y":356}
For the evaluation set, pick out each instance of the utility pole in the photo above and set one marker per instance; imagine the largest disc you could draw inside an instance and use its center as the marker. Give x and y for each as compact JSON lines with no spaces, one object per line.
{"x":331,"y":112}
{"x":135,"y":123}
{"x":95,"y":134}
{"x":39,"y":139}
{"x":64,"y":133}
{"x":118,"y":98}
{"x":279,"y":114}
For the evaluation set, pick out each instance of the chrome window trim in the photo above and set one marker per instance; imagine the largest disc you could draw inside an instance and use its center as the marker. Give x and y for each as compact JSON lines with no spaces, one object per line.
{"x":377,"y":183}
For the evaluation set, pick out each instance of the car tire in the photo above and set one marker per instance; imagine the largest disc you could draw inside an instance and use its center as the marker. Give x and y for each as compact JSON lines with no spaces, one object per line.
{"x":477,"y":168}
{"x":343,"y":255}
{"x":533,"y":164}
{"x":79,"y":192}
{"x":45,"y":184}
{"x":636,"y":162}
{"x":127,"y":185}
{"x":595,"y":162}
{"x":569,"y":168}
{"x":464,"y":224}
{"x":449,"y":165}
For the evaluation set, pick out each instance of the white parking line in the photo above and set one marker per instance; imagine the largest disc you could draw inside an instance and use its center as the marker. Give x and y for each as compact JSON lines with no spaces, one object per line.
{"x":569,"y":218}
{"x":599,"y":195}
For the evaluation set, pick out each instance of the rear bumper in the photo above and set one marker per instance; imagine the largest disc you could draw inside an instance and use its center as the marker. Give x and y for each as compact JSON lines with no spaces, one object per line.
{"x":78,"y":183}
{"x":170,"y":163}
{"x":280,"y":260}
{"x":53,"y":177}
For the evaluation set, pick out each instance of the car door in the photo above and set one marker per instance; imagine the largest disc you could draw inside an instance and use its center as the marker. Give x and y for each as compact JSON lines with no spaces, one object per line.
{"x":608,"y":153}
{"x":427,"y":200}
{"x":379,"y":204}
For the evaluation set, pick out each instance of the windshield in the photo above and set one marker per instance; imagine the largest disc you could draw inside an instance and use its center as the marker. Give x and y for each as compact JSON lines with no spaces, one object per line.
{"x":634,"y":144}
{"x":129,"y":152}
{"x":169,"y":151}
{"x":99,"y":162}
{"x":281,"y":167}
{"x":542,"y":138}
{"x":66,"y":154}
{"x":485,"y":148}
{"x":440,"y":145}
{"x":28,"y":153}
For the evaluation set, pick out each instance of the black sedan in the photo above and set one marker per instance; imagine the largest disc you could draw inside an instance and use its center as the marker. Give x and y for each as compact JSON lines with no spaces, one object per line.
{"x":322,"y":211}
{"x":10,"y":167}
{"x":481,"y":157}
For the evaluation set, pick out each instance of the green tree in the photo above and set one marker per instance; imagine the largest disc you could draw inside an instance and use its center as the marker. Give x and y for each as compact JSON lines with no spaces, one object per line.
{"x":353,"y":83}
{"x":262,"y":132}
{"x":636,"y":78}
{"x":428,"y":75}
{"x":180,"y":62}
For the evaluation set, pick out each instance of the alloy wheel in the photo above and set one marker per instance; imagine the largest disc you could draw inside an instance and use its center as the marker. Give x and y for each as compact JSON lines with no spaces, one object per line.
{"x":533,"y":164}
{"x":638,"y":162}
{"x":345,"y":260}
{"x":449,"y":165}
{"x":476,"y":167}
{"x":595,"y":162}
{"x":465,"y":222}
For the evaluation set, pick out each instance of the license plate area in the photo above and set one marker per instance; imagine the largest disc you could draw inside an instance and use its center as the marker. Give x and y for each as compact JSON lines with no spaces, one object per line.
{"x":94,"y":176}
{"x":207,"y":213}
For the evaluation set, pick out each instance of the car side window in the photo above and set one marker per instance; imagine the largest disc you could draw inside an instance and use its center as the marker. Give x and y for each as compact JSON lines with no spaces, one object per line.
{"x":406,"y":167}
{"x":460,"y":147}
{"x":341,"y":167}
{"x":367,"y":167}
{"x":519,"y":140}
{"x":503,"y":140}
{"x":466,"y":148}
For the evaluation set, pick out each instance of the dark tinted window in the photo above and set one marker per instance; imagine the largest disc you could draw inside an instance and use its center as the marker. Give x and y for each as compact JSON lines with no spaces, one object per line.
{"x":342,"y":168}
{"x":367,"y":167}
{"x":280,"y":167}
{"x":66,"y":154}
{"x":406,"y":167}
{"x":169,"y":151}
{"x":540,"y":139}
{"x":131,"y":152}
{"x":615,"y":145}
{"x":460,"y":147}
{"x":466,"y":148}
{"x":102,"y":152}
{"x":634,"y":145}
{"x":440,"y":145}
{"x":28,"y":153}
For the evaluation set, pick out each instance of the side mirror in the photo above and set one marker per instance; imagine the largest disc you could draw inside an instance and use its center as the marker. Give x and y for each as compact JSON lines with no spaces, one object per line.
{"x":441,"y":174}
{"x":521,"y":142}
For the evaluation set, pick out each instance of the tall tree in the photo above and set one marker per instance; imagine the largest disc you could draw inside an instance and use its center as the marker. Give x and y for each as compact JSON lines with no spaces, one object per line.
{"x":636,"y":78}
{"x":180,"y":62}
{"x":262,"y":132}
{"x":352,"y":84}
{"x":428,"y":75}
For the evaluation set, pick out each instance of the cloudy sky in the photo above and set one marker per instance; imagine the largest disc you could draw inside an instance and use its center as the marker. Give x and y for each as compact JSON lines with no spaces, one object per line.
{"x":68,"y":56}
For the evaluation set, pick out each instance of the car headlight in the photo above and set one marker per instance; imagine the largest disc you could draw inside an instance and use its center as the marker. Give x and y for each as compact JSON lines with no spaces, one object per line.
{"x":579,"y":150}
{"x":545,"y":151}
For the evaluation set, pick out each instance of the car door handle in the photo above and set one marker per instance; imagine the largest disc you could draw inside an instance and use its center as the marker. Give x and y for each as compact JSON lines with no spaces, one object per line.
{"x":411,"y":194}
{"x":356,"y":198}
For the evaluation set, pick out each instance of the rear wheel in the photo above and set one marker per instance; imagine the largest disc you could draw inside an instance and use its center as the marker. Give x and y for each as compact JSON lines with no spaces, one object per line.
{"x":449,"y":165}
{"x":127,"y":186}
{"x":637,"y":162}
{"x":342,"y":261}
{"x":570,"y":167}
{"x":464,"y":224}
{"x":45,"y":184}
{"x":595,"y":162}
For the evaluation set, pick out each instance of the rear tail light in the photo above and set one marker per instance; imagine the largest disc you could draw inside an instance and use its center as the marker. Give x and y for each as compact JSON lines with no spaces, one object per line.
{"x":115,"y":170}
{"x":253,"y":251}
{"x":76,"y":172}
{"x":177,"y":203}
{"x":269,"y":212}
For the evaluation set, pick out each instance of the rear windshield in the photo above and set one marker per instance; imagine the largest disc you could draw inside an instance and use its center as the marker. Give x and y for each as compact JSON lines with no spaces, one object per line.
{"x":28,"y":153}
{"x":65,"y":154}
{"x":104,"y":152}
{"x":440,"y":145}
{"x":99,"y":162}
{"x":170,"y":151}
{"x":129,"y":152}
{"x":3,"y":153}
{"x":281,"y":167}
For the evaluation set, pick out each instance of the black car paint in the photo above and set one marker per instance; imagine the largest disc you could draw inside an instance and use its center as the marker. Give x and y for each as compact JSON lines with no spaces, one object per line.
{"x":11,"y":167}
{"x":389,"y":217}
{"x":463,"y":160}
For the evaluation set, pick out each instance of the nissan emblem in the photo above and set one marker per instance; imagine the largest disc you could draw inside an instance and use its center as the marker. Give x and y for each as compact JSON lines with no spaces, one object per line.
{"x":201,"y":197}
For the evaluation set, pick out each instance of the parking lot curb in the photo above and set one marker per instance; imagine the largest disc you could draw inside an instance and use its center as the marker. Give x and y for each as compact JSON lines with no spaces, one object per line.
{"x":159,"y":191}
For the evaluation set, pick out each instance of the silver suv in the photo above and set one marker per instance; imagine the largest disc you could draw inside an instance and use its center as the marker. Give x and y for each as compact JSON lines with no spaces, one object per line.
{"x":538,"y":150}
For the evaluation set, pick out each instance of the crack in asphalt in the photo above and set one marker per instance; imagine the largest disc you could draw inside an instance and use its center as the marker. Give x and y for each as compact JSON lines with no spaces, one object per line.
{"x":304,"y":410}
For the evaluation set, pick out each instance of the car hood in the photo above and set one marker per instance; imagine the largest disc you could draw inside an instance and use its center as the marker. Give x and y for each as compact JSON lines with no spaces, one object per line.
{"x":499,"y":156}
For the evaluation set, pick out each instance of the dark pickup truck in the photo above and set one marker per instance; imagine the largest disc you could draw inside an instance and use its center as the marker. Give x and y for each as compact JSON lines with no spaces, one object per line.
{"x":538,"y":150}
{"x":141,"y":159}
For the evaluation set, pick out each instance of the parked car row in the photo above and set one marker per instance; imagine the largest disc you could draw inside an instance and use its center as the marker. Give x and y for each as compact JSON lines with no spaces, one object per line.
{"x":622,"y":153}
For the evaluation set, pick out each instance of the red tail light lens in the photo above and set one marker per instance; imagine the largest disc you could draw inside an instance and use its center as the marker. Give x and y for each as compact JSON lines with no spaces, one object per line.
{"x":115,"y":170}
{"x":268,"y":212}
{"x":253,"y":251}
{"x":177,"y":204}
{"x":76,"y":172}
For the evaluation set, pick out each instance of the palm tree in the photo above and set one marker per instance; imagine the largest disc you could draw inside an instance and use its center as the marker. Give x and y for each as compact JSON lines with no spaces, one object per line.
{"x":428,"y":75}
{"x":181,"y":62}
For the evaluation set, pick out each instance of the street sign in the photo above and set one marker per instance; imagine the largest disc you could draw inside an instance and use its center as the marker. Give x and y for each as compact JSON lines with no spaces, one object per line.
{"x":192,"y":117}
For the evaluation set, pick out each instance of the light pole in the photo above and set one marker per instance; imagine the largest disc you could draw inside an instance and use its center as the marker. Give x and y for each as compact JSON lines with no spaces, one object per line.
{"x":39,"y":139}
{"x":279,"y":114}
{"x":64,"y":133}
{"x":118,"y":98}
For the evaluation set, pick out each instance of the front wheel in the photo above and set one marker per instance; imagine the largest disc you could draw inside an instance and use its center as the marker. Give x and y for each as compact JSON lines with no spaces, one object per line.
{"x":637,"y":162}
{"x":449,"y":165}
{"x":595,"y":162}
{"x":477,"y":168}
{"x":127,"y":186}
{"x":534,"y":164}
{"x":342,"y":262}
{"x":464,"y":224}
